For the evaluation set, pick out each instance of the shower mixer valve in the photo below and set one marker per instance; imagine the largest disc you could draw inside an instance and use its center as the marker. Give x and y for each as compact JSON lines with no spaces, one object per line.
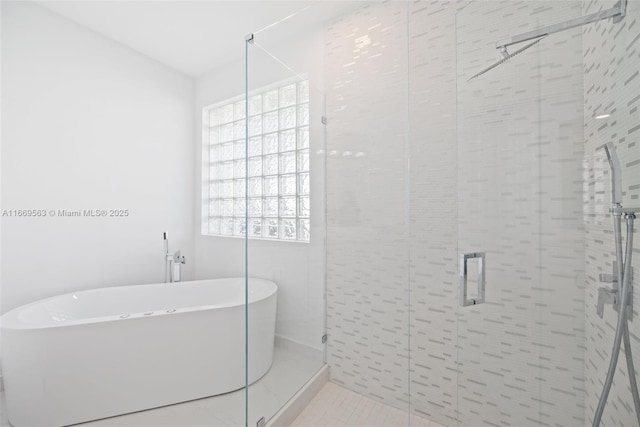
{"x":606,"y":296}
{"x":610,"y":295}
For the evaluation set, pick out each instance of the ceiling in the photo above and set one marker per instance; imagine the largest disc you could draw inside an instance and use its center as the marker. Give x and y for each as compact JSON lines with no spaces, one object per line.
{"x":194,"y":37}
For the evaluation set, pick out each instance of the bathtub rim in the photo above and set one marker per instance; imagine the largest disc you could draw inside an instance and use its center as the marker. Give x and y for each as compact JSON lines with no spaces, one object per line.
{"x":10,"y":321}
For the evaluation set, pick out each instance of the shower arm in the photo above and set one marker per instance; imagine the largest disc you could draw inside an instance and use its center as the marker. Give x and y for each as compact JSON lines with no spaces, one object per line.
{"x":617,"y":11}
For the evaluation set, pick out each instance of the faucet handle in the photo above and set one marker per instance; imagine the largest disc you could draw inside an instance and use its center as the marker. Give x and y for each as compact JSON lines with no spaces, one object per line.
{"x":608,"y":278}
{"x":178,"y":258}
{"x":605,"y":296}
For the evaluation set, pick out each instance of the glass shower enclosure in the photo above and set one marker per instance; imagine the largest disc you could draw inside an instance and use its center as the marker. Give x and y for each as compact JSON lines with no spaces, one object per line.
{"x":284,"y":207}
{"x":534,"y":192}
{"x":520,"y":156}
{"x":437,"y":209}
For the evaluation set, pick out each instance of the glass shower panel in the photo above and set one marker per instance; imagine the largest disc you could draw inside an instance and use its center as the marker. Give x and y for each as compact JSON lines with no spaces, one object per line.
{"x":333,"y":82}
{"x":285,"y":204}
{"x":520,"y":230}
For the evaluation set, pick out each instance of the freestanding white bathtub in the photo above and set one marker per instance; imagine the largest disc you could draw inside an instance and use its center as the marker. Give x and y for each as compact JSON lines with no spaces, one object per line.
{"x":110,"y":351}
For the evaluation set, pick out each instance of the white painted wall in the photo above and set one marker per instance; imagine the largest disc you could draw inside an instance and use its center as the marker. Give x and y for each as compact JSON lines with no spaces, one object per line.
{"x":297,"y":268}
{"x":89,"y":124}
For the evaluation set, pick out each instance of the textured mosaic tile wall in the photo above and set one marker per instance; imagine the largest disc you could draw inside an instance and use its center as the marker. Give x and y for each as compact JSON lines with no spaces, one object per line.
{"x":502,"y":174}
{"x":611,"y":86}
{"x":367,"y":256}
{"x":433,"y":210}
{"x":520,"y":149}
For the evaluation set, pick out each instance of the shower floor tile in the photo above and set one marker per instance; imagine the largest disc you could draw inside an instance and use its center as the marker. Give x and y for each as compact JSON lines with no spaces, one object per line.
{"x":291,"y":369}
{"x":335,"y":406}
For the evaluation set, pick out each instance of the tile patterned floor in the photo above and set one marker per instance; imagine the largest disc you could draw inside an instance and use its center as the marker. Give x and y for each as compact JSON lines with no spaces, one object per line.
{"x":335,"y":406}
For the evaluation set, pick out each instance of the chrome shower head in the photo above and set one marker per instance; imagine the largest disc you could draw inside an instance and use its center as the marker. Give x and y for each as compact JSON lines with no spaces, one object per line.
{"x":616,"y":174}
{"x":505,"y":56}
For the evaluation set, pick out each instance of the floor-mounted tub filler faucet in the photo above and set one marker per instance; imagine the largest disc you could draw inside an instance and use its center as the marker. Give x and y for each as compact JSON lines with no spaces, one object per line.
{"x":172,"y":263}
{"x":620,"y":294}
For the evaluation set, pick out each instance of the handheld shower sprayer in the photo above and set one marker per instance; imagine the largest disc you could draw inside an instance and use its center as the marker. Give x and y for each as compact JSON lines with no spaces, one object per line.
{"x":166,"y":243}
{"x":172,"y":263}
{"x":616,"y":174}
{"x":167,"y":261}
{"x":620,"y":295}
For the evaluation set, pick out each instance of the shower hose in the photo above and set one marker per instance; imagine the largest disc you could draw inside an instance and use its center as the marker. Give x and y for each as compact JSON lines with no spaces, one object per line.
{"x":622,"y":327}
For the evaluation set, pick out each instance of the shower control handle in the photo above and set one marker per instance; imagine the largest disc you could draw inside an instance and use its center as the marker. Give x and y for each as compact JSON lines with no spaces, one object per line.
{"x":608,"y":278}
{"x":605,"y":296}
{"x":463,"y":274}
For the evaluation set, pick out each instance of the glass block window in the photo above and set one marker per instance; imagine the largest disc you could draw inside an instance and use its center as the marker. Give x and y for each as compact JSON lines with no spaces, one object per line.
{"x":277,"y":201}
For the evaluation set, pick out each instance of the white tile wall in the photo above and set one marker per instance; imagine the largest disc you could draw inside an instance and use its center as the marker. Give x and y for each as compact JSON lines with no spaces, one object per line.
{"x":433,"y":210}
{"x":520,"y":145}
{"x":367,"y":274}
{"x":501,"y":173}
